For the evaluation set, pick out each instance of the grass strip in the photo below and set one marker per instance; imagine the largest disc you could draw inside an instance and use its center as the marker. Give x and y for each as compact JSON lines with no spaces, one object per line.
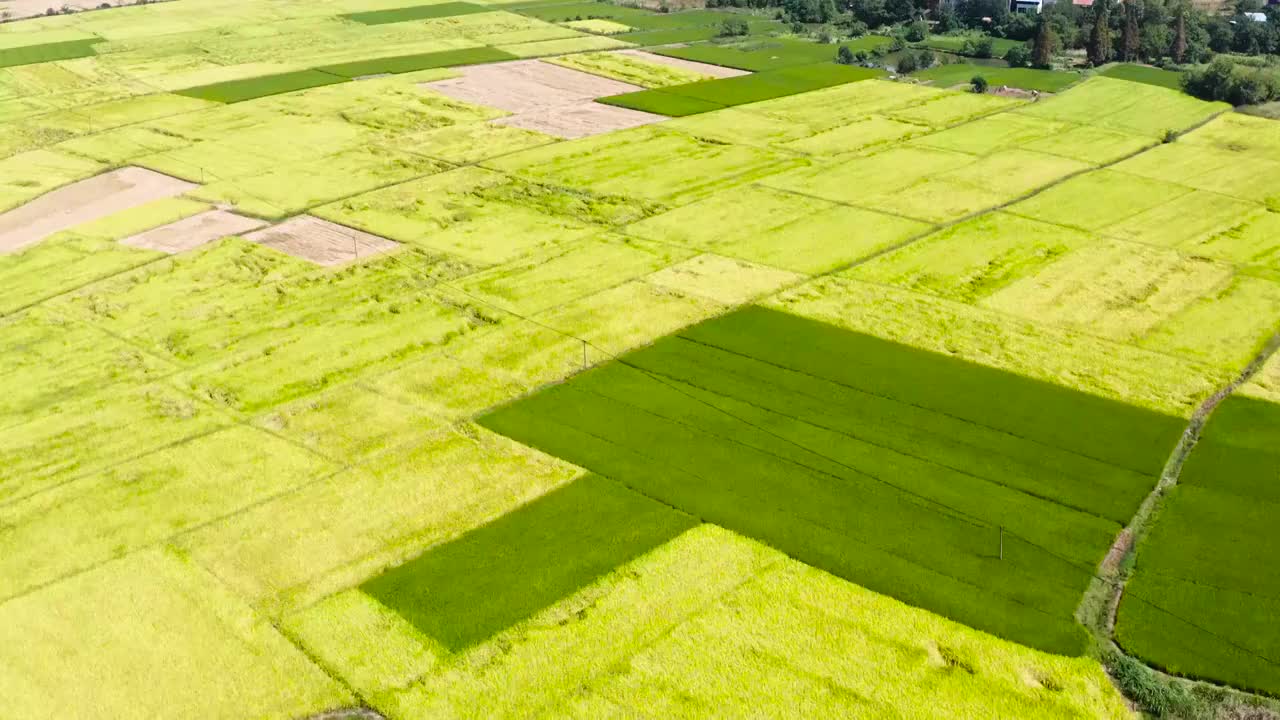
{"x":491,"y":578}
{"x":1145,"y":74}
{"x":48,"y":52}
{"x":708,"y":95}
{"x":416,"y":12}
{"x":234,"y":91}
{"x":421,"y":61}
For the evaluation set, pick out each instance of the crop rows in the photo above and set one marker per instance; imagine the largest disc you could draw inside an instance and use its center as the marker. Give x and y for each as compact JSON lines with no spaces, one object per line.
{"x":883,"y":465}
{"x":1209,"y":556}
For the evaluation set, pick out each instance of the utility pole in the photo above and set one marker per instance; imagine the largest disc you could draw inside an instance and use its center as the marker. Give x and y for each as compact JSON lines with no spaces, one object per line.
{"x":584,"y":354}
{"x":1001,"y":542}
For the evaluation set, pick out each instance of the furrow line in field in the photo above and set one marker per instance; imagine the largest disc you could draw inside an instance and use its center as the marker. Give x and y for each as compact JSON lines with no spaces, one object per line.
{"x":662,"y":462}
{"x":904,"y":402}
{"x":889,"y":448}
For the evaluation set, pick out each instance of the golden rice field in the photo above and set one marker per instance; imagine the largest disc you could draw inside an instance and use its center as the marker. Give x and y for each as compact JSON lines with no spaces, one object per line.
{"x":222,"y":465}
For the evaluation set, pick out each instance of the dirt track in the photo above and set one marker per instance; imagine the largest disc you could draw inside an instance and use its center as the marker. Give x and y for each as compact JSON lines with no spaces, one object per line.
{"x":83,"y":201}
{"x":544,"y":97}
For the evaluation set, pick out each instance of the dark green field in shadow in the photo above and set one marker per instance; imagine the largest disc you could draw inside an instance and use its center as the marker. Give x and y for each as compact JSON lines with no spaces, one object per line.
{"x":416,"y":12}
{"x":886,"y":465}
{"x":421,"y":61}
{"x":466,"y":590}
{"x":234,"y":91}
{"x":48,"y":52}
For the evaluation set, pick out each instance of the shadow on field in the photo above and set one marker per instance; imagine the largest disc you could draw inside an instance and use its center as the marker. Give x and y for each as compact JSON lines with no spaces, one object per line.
{"x":464,"y":591}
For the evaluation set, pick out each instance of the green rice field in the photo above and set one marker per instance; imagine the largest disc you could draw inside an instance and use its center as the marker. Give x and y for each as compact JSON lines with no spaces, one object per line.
{"x":365,"y":355}
{"x":707,"y":95}
{"x":1203,"y":558}
{"x":1022,"y":78}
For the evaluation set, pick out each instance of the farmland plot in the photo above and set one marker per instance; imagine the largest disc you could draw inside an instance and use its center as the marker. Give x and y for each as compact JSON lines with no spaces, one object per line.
{"x":707,"y":592}
{"x":1203,"y":561}
{"x":860,"y":473}
{"x":293,"y":451}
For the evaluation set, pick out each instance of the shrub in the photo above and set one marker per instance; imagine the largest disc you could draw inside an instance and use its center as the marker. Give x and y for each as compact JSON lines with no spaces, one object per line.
{"x":1160,"y":698}
{"x":844,"y":55}
{"x":1237,"y":84}
{"x":898,"y":43}
{"x":734,"y":27}
{"x":907,"y":64}
{"x":917,"y":31}
{"x":979,"y":84}
{"x":855,"y":28}
{"x":1018,"y":56}
{"x":979,"y":47}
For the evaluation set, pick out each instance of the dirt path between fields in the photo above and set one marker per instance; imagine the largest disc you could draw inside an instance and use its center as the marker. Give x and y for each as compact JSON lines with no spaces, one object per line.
{"x":1101,"y":602}
{"x":1127,"y":541}
{"x":84,"y":201}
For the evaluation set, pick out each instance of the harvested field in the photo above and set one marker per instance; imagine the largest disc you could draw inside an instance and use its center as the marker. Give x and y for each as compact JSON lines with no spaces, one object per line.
{"x":580,"y":120}
{"x":190,"y":233}
{"x":527,"y":86}
{"x":320,"y":241}
{"x":701,"y":68}
{"x":84,"y":201}
{"x":546,"y":98}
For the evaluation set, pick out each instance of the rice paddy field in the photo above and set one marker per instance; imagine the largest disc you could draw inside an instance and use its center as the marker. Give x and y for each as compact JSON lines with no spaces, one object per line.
{"x":359,"y":355}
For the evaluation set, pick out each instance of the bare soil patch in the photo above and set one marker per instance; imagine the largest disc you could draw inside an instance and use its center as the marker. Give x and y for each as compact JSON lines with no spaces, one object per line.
{"x":84,"y":201}
{"x":320,"y":241}
{"x":544,"y":97}
{"x":192,"y":232}
{"x":527,"y":86}
{"x":718,"y":71}
{"x":580,"y":120}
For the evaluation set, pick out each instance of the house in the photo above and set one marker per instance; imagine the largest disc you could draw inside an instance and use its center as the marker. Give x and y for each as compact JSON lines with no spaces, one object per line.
{"x":1027,"y":6}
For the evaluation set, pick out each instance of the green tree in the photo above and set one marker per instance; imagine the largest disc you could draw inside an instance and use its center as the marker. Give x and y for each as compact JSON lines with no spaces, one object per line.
{"x":1018,"y":56}
{"x":1179,"y":50}
{"x":734,"y":27}
{"x":1046,"y":44}
{"x":947,"y":19}
{"x":844,"y":55}
{"x":1100,"y":37}
{"x":1130,"y":35}
{"x":979,"y":84}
